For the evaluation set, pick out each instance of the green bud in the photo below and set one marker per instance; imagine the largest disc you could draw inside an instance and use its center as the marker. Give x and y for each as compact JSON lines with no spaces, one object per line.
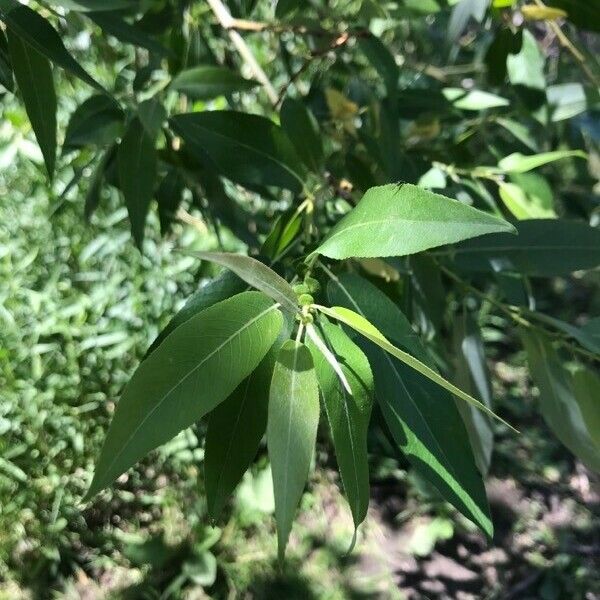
{"x":301,"y":288}
{"x":312,"y":284}
{"x":305,"y":299}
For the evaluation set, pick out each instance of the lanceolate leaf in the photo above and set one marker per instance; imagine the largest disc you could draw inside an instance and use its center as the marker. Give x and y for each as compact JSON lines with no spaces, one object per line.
{"x":558,"y":404}
{"x":291,"y":431}
{"x":586,"y":385}
{"x":92,"y":198}
{"x":348,"y":414}
{"x":368,"y":330}
{"x":520,"y":163}
{"x":222,"y":287}
{"x":396,"y":220}
{"x":257,"y":275}
{"x":235,"y":429}
{"x":34,"y":77}
{"x":248,"y":149}
{"x":421,"y":416}
{"x":543,"y":247}
{"x":137,"y":162}
{"x":36,"y":31}
{"x":86,"y":5}
{"x":6,"y":73}
{"x":303,"y":131}
{"x":191,"y":372}
{"x":210,"y":81}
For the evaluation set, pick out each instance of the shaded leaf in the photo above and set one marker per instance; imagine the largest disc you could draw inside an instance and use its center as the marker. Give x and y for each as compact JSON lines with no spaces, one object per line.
{"x":137,"y":164}
{"x":246,"y":148}
{"x":302,"y":129}
{"x":210,"y":81}
{"x":586,"y":385}
{"x":291,"y":431}
{"x":36,"y":84}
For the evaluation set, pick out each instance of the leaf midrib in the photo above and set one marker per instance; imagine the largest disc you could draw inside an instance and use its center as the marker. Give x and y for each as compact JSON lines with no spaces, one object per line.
{"x":184,"y":378}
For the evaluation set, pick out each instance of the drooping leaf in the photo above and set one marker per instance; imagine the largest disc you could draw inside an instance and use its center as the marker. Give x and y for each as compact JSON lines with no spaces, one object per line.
{"x":6,"y":73}
{"x":257,"y":275}
{"x":210,"y":81}
{"x":169,"y":196}
{"x":544,"y":247}
{"x":558,"y":404}
{"x":519,"y":163}
{"x":303,"y":131}
{"x":137,"y":163}
{"x":586,"y":386}
{"x":246,"y":148}
{"x":291,"y":431}
{"x":222,"y":287}
{"x":348,"y":414}
{"x":422,"y":417}
{"x":92,"y":198}
{"x":97,"y":121}
{"x":472,"y":375}
{"x":194,"y":369}
{"x":368,"y":330}
{"x":235,"y":429}
{"x":33,"y":29}
{"x":396,"y":220}
{"x":36,"y":84}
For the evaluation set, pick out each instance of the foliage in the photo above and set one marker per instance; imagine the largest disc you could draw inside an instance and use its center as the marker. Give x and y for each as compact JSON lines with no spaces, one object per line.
{"x":344,"y":160}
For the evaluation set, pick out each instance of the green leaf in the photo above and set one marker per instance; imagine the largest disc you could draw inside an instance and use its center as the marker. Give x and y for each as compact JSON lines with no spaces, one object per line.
{"x":152,"y":114}
{"x":422,"y":417}
{"x":286,"y":7}
{"x":527,"y":67}
{"x":169,"y":196}
{"x":235,"y":429}
{"x":291,"y":431}
{"x":137,"y":162}
{"x":222,"y":287}
{"x":92,"y":198}
{"x":558,"y":404}
{"x":462,"y":13}
{"x":36,"y":31}
{"x":34,"y":78}
{"x":87,"y":5}
{"x":302,"y":129}
{"x":519,"y":163}
{"x":97,"y":121}
{"x":472,"y":375}
{"x":586,"y":385}
{"x":208,"y":81}
{"x":520,"y":204}
{"x":6,"y":72}
{"x":567,"y":100}
{"x":194,"y":369}
{"x":368,"y":330}
{"x":587,"y":335}
{"x":545,"y":248}
{"x":348,"y":414}
{"x":284,"y":232}
{"x":246,"y":148}
{"x":125,"y":32}
{"x":395,"y":220}
{"x":473,"y":99}
{"x":382,"y":60}
{"x":256,"y":274}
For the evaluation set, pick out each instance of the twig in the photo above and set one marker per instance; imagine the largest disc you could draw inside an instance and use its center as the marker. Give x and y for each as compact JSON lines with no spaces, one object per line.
{"x":227,"y":22}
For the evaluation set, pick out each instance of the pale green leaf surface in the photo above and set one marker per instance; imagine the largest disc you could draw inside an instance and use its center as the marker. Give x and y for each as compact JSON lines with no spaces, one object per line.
{"x":586,"y":385}
{"x":195,"y":368}
{"x":521,"y":163}
{"x":291,"y":431}
{"x":209,"y":81}
{"x":396,"y":220}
